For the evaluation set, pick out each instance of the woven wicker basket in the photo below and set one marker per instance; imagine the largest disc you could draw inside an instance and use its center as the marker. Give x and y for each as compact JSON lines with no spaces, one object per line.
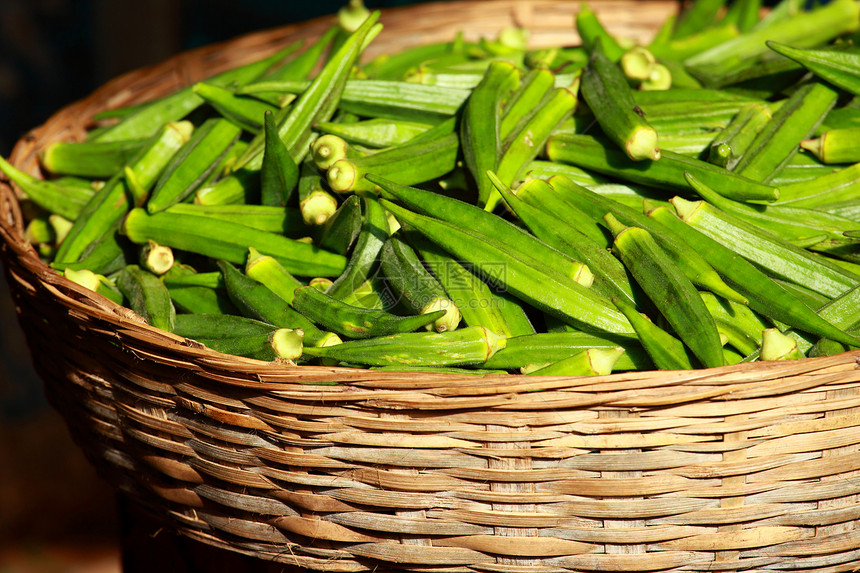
{"x":752,"y":467}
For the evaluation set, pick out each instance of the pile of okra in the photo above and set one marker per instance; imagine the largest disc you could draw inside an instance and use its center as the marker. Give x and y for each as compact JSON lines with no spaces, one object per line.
{"x":486,"y":207}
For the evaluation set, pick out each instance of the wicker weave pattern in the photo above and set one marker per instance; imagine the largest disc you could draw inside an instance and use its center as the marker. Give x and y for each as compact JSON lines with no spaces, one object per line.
{"x":753,"y":467}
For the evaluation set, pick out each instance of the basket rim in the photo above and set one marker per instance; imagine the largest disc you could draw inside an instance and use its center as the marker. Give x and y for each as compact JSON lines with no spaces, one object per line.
{"x":85,"y":301}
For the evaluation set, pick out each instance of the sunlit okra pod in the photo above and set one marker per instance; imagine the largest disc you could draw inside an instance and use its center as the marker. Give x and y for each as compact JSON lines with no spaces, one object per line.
{"x":671,"y":292}
{"x":244,"y":111}
{"x":836,"y":66}
{"x":356,"y":322}
{"x":778,"y":346}
{"x":193,"y":163}
{"x":479,"y":304}
{"x":364,"y":256}
{"x":591,"y":362}
{"x":279,"y":174}
{"x":96,"y":283}
{"x":375,"y":132}
{"x":465,"y":346}
{"x":591,"y":31}
{"x":689,"y":261}
{"x":765,"y":296}
{"x":591,"y":153}
{"x":534,"y":283}
{"x":316,"y":204}
{"x":68,"y":201}
{"x":317,"y":103}
{"x":780,"y":137}
{"x":734,"y":140}
{"x":229,"y":240}
{"x":480,"y":129}
{"x":608,"y":275}
{"x":666,"y":351}
{"x":766,"y":250}
{"x":803,"y":29}
{"x":89,"y":159}
{"x":609,"y":97}
{"x":835,"y":145}
{"x":417,"y":288}
{"x":148,"y":118}
{"x":104,"y":211}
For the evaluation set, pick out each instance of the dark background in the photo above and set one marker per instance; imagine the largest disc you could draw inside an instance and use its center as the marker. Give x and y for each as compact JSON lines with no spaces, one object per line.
{"x":56,"y":515}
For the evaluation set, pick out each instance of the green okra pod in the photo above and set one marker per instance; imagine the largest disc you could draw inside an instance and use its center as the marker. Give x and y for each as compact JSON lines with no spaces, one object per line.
{"x":590,"y":153}
{"x":279,"y":174}
{"x":836,"y":186}
{"x":743,"y":14}
{"x":671,"y":292}
{"x":727,"y":148}
{"x":398,"y":100}
{"x":536,"y":284}
{"x":765,"y":296}
{"x":835,"y":145}
{"x":697,"y":16}
{"x":480,"y":129}
{"x":375,"y":132}
{"x":104,"y":211}
{"x":766,"y":250}
{"x":473,"y":218}
{"x":266,"y":270}
{"x":778,"y":346}
{"x":211,"y":326}
{"x":592,"y":32}
{"x":666,"y":351}
{"x":437,"y":157}
{"x":89,"y":159}
{"x":836,"y":66}
{"x":416,"y":287}
{"x":608,"y":95}
{"x":148,"y":118}
{"x":95,"y":282}
{"x":533,"y":88}
{"x":316,"y":103}
{"x":690,"y":261}
{"x":147,"y":296}
{"x":192,"y":164}
{"x":780,"y":138}
{"x":538,"y":193}
{"x":229,"y":240}
{"x":462,"y":347}
{"x":610,"y":277}
{"x":548,"y":347}
{"x":741,"y":326}
{"x":364,"y":256}
{"x":197,"y":297}
{"x":243,"y":111}
{"x":353,"y":321}
{"x":803,"y":29}
{"x":681,"y":49}
{"x":285,"y":221}
{"x":524,"y":144}
{"x":479,"y":304}
{"x":257,"y":301}
{"x":785,"y":221}
{"x":590,"y":362}
{"x":66,"y":200}
{"x":280,"y":344}
{"x":342,"y":229}
{"x":302,"y":65}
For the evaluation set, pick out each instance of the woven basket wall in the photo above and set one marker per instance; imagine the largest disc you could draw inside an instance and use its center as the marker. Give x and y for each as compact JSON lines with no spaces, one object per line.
{"x":748,"y":468}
